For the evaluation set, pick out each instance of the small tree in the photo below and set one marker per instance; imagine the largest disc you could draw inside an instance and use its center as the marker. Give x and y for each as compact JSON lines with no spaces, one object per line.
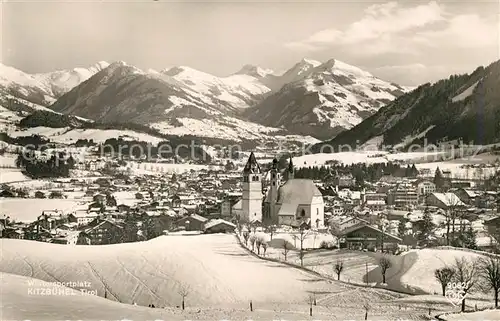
{"x":385,"y":263}
{"x":286,"y":248}
{"x":258,"y":243}
{"x":246,"y":236}
{"x":444,"y":276}
{"x":302,"y":253}
{"x":264,"y":248}
{"x":490,"y":272}
{"x":311,"y":302}
{"x":366,"y":306}
{"x":338,"y":268}
{"x":184,"y":292}
{"x":252,"y":240}
{"x":466,"y":273}
{"x":271,"y":229}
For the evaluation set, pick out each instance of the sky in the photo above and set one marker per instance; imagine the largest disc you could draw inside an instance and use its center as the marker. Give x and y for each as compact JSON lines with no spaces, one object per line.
{"x":407,"y":42}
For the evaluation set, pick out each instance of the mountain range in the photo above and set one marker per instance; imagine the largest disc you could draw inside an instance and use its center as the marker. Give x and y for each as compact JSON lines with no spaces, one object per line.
{"x":312,"y":101}
{"x":461,"y":108}
{"x":324,"y":98}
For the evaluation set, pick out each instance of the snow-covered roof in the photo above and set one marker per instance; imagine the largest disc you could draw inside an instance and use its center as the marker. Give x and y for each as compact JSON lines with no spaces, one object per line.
{"x":449,"y":199}
{"x":213,"y":223}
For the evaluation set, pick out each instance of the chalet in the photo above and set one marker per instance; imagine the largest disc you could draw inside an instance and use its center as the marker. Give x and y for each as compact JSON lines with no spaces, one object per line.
{"x":364,"y":236}
{"x":444,"y":201}
{"x":82,"y":217}
{"x":13,"y":233}
{"x":51,"y":219}
{"x":70,"y":238}
{"x":105,"y":232}
{"x":192,"y":222}
{"x":424,"y":188}
{"x":467,"y":196}
{"x":99,"y":198}
{"x":219,"y":226}
{"x":352,"y":222}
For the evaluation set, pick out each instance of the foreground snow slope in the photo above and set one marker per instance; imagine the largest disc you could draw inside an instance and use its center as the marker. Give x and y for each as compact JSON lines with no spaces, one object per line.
{"x":20,"y":303}
{"x":222,"y":278}
{"x":487,"y":315}
{"x":215,"y":270}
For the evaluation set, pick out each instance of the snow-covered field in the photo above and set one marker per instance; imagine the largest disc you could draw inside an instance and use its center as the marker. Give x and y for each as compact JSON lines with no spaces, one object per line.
{"x":28,"y":209}
{"x":486,"y":315}
{"x":164,"y":168}
{"x":69,"y":136}
{"x":369,"y":157}
{"x":215,"y":269}
{"x":420,"y":274}
{"x":8,"y":175}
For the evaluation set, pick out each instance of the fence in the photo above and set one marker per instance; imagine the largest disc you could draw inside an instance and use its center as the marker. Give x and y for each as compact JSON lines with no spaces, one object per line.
{"x":493,"y":255}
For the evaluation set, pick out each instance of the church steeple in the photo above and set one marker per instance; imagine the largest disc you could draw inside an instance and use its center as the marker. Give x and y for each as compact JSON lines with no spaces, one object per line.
{"x":291,"y":169}
{"x":252,"y":166}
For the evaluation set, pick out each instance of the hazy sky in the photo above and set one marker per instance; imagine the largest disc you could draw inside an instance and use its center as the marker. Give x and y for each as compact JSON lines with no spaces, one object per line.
{"x":408,"y":42}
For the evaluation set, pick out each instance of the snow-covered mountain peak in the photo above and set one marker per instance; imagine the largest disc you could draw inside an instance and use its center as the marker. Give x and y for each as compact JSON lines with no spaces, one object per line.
{"x":312,"y":62}
{"x":337,"y":66}
{"x":254,"y":71}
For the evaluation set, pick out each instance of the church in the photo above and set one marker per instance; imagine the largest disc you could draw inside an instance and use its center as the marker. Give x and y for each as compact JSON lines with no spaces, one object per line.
{"x":292,"y":202}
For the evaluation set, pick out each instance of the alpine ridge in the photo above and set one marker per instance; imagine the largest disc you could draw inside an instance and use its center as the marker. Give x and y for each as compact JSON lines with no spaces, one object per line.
{"x":461,"y":108}
{"x":325,"y":99}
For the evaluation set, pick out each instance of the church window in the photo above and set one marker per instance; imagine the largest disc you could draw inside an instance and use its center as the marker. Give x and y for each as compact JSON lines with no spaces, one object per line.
{"x":303,"y":213}
{"x":274,"y":183}
{"x":317,"y":211}
{"x":274,"y":176}
{"x":245,"y":179}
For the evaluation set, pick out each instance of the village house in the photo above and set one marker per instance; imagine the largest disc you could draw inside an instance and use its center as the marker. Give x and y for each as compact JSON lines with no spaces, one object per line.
{"x":104,"y":232}
{"x":82,"y":217}
{"x":364,"y":236}
{"x":192,"y":222}
{"x":424,"y":188}
{"x":219,"y":226}
{"x":444,"y":201}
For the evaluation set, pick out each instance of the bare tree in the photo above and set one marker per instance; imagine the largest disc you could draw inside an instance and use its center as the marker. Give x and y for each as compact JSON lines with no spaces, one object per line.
{"x":264,"y":248}
{"x":466,"y":274}
{"x":302,"y":253}
{"x":258,"y":243}
{"x":490,"y":272}
{"x":444,"y":276}
{"x":385,"y":263}
{"x":184,"y":292}
{"x":366,"y":306}
{"x":338,"y":268}
{"x":303,"y":234}
{"x":286,"y":248}
{"x":312,"y":299}
{"x":252,"y":240}
{"x":271,"y":229}
{"x":246,"y":236}
{"x":451,"y":214}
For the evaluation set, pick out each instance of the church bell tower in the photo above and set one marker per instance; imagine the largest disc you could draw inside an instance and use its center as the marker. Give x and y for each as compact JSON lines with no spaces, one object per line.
{"x":252,"y":191}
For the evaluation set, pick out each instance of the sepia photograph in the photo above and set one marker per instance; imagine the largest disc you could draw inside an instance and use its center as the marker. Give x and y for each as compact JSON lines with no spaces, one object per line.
{"x":249,"y":160}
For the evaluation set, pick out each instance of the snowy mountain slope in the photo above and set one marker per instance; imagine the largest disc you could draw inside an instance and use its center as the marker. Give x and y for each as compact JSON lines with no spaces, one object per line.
{"x":240,"y":90}
{"x":323,"y":100}
{"x":21,"y":85}
{"x":463,"y":107}
{"x":61,"y":81}
{"x":179,"y":101}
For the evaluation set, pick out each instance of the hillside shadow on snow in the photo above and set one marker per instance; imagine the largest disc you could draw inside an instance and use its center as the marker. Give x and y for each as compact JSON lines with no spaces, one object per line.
{"x":400,"y":266}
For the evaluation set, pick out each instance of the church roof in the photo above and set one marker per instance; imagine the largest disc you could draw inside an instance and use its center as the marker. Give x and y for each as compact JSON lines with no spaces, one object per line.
{"x":295,"y":192}
{"x":252,"y":166}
